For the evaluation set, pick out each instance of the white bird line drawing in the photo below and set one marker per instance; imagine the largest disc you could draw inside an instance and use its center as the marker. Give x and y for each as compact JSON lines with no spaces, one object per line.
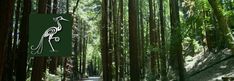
{"x":50,"y":32}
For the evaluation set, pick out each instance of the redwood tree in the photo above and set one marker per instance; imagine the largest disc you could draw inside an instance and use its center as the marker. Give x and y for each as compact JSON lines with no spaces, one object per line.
{"x":39,"y":62}
{"x":222,"y":23}
{"x":104,"y":39}
{"x":176,"y":60}
{"x":163,"y":71}
{"x":21,"y":61}
{"x":133,"y":45}
{"x":6,"y":6}
{"x":152,"y":25}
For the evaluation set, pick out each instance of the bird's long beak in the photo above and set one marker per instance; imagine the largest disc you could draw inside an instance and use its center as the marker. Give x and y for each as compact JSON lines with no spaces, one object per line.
{"x":65,"y":19}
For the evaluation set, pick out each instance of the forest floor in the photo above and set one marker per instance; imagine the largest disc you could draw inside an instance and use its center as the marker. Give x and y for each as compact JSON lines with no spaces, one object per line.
{"x":207,"y":66}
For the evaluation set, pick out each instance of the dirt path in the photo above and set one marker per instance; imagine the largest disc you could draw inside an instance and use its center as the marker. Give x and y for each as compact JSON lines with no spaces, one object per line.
{"x":91,"y":79}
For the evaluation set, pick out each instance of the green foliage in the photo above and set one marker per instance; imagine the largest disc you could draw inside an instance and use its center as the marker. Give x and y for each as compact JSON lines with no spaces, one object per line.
{"x":151,"y":77}
{"x":52,"y":77}
{"x":188,"y":42}
{"x":153,"y":48}
{"x":231,"y":21}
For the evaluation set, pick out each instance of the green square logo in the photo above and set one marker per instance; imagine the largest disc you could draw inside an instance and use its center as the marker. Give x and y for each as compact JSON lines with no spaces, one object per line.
{"x":50,"y":35}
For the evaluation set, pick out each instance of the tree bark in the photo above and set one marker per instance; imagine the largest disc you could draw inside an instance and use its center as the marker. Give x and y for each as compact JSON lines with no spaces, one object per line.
{"x":54,"y":60}
{"x":176,"y":60}
{"x":8,"y":66}
{"x":21,"y":61}
{"x":80,"y":47}
{"x":110,"y":40}
{"x":222,"y":22}
{"x":84,"y":52}
{"x":163,"y":72}
{"x":39,"y":62}
{"x":75,"y":61}
{"x":7,"y":7}
{"x":17,"y":18}
{"x":133,"y":44}
{"x":116,"y":39}
{"x":121,"y":75}
{"x":104,"y":39}
{"x":152,"y":40}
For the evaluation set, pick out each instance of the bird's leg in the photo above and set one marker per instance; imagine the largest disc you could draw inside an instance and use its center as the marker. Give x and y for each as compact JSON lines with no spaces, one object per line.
{"x":51,"y":45}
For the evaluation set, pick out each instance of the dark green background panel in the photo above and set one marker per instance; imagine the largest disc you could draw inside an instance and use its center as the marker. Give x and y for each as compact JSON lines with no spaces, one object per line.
{"x":39,"y":23}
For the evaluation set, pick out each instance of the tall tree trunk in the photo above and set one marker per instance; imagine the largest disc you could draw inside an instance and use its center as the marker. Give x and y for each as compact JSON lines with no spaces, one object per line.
{"x":121,"y":75}
{"x":176,"y":60}
{"x":104,"y":39}
{"x":21,"y":61}
{"x":16,"y":27}
{"x":65,"y":68}
{"x":152,"y":40}
{"x":84,"y":52}
{"x":74,"y":56}
{"x":163,"y":72}
{"x":7,"y":7}
{"x":110,"y":40}
{"x":157,"y":37}
{"x":133,"y":44}
{"x":81,"y":48}
{"x":116,"y":40}
{"x":8,"y":66}
{"x":8,"y":62}
{"x":39,"y":62}
{"x":17,"y":18}
{"x":140,"y":37}
{"x":222,"y":22}
{"x":54,"y":60}
{"x":142,"y":40}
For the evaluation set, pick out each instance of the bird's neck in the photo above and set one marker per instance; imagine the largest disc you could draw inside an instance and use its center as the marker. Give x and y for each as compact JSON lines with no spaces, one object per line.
{"x":59,"y":25}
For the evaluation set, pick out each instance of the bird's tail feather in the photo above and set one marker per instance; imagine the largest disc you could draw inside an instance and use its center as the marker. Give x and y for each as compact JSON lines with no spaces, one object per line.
{"x":39,"y":48}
